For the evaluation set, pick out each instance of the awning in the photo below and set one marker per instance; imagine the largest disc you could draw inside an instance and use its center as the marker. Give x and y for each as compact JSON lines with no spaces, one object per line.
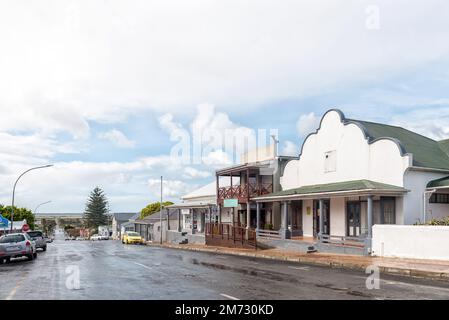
{"x":439,"y":183}
{"x":346,"y":188}
{"x":192,"y":205}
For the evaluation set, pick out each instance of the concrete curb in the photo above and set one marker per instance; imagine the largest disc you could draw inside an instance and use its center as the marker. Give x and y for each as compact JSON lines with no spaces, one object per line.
{"x":408,"y":272}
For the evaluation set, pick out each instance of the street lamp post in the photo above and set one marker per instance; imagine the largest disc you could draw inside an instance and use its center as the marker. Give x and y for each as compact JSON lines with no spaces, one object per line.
{"x":160,"y":215}
{"x":35,"y":210}
{"x":14,"y":189}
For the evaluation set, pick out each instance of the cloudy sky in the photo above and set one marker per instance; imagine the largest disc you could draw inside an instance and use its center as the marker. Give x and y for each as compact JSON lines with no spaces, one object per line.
{"x":105,"y":90}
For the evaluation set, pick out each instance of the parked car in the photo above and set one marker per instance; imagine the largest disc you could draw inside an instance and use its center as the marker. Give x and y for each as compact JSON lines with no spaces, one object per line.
{"x":131,"y":237}
{"x":80,"y":239}
{"x":38,"y":238}
{"x":48,"y":239}
{"x":95,"y":237}
{"x":17,"y":245}
{"x":103,"y":237}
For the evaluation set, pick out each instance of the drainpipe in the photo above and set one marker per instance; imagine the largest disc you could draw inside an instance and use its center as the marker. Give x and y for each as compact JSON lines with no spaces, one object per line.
{"x":428,"y":192}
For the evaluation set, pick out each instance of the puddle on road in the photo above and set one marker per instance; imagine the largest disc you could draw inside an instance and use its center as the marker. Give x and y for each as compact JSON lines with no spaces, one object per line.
{"x":251,"y":272}
{"x":344,"y":290}
{"x":71,"y":257}
{"x":270,"y":275}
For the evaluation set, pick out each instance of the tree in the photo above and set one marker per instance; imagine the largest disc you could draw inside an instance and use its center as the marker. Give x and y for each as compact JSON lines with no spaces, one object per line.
{"x":153,"y":208}
{"x":97,"y":208}
{"x":20,"y":214}
{"x":48,"y":226}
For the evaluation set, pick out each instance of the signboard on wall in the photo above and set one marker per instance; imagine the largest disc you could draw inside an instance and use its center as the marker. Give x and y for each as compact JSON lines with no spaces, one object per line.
{"x":185,"y":211}
{"x":231,"y":203}
{"x":309,"y":211}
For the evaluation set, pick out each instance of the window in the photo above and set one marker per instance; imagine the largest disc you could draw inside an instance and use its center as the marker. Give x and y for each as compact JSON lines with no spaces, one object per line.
{"x":439,"y":198}
{"x":388,"y":210}
{"x":14,"y":238}
{"x":330,"y":161}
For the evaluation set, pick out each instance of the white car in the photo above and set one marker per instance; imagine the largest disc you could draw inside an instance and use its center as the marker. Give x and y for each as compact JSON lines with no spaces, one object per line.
{"x":104,"y":237}
{"x":17,"y":245}
{"x":95,"y":237}
{"x":80,"y":239}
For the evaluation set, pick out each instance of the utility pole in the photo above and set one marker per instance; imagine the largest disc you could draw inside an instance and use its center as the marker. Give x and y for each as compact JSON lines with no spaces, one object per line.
{"x":160,"y":214}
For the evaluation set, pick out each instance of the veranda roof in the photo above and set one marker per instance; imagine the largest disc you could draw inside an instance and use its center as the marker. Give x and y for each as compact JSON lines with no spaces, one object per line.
{"x":193,"y":205}
{"x":439,"y":183}
{"x":355,"y":187}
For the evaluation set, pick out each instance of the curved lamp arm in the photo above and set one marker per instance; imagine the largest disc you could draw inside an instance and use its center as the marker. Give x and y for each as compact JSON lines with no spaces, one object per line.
{"x":14,"y":189}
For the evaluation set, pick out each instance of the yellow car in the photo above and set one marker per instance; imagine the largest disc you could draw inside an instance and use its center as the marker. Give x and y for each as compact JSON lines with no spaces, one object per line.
{"x":131,"y":237}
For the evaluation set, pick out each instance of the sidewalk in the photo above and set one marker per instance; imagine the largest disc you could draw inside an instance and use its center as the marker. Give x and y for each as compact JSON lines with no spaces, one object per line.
{"x":433,"y":269}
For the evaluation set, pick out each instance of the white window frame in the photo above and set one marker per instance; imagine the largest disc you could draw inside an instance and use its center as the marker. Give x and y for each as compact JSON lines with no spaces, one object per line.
{"x":330,"y":161}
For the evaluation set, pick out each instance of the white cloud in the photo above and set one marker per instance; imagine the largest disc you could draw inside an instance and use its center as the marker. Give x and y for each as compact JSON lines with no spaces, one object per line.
{"x":217,"y":159}
{"x":118,"y":138}
{"x":212,"y":139}
{"x":65,"y":63}
{"x":307,"y":123}
{"x":430,"y":122}
{"x":290,"y":149}
{"x":170,"y":188}
{"x":192,"y":173}
{"x":68,"y":184}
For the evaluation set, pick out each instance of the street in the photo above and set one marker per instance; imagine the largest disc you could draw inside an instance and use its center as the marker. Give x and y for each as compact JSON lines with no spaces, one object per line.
{"x":109,"y":270}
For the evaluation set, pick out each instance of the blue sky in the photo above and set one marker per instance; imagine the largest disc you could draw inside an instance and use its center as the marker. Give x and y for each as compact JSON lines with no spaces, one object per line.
{"x":105,"y":101}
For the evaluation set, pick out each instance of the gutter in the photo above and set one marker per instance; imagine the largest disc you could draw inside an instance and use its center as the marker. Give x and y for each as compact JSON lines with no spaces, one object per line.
{"x":425,"y":169}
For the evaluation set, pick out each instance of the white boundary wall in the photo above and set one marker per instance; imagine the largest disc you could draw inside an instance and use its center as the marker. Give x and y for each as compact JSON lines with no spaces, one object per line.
{"x":417,"y":242}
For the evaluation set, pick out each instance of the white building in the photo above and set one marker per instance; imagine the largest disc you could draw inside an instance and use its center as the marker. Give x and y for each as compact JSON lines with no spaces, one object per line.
{"x":352,"y":174}
{"x":121,"y":218}
{"x":196,"y":209}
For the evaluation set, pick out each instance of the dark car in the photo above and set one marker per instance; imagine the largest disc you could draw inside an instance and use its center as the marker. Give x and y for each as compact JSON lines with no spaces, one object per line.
{"x":16,"y":245}
{"x":38,"y":237}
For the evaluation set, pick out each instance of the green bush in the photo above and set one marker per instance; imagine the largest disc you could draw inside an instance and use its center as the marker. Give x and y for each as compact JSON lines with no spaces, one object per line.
{"x":439,"y":222}
{"x":436,"y":222}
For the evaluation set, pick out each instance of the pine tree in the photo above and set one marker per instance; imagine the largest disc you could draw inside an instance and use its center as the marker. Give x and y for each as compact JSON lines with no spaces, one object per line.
{"x":97,"y":208}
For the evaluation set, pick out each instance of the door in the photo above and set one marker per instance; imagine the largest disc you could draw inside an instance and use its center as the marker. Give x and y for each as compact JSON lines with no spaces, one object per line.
{"x":353,"y":219}
{"x":318,"y":213}
{"x":296,"y":218}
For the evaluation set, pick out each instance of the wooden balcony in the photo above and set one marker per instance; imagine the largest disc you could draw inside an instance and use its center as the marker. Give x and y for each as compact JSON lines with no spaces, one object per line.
{"x":244,"y":192}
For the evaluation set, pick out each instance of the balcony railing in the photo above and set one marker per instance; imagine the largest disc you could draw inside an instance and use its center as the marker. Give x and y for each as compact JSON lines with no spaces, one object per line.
{"x":244,"y":191}
{"x":228,"y":235}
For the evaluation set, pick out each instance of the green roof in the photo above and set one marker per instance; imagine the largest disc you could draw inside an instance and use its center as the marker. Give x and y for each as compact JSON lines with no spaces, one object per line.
{"x":355,"y":185}
{"x":426,"y":152}
{"x":444,"y":145}
{"x":443,"y":182}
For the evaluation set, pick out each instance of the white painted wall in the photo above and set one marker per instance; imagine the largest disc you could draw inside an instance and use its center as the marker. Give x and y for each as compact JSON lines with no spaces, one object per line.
{"x":307,"y":219}
{"x":356,"y":159}
{"x":419,"y":242}
{"x":438,"y":211}
{"x":338,"y":217}
{"x":416,"y":182}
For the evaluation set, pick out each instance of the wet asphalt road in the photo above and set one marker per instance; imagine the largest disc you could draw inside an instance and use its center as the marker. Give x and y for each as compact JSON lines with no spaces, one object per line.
{"x":110,"y":270}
